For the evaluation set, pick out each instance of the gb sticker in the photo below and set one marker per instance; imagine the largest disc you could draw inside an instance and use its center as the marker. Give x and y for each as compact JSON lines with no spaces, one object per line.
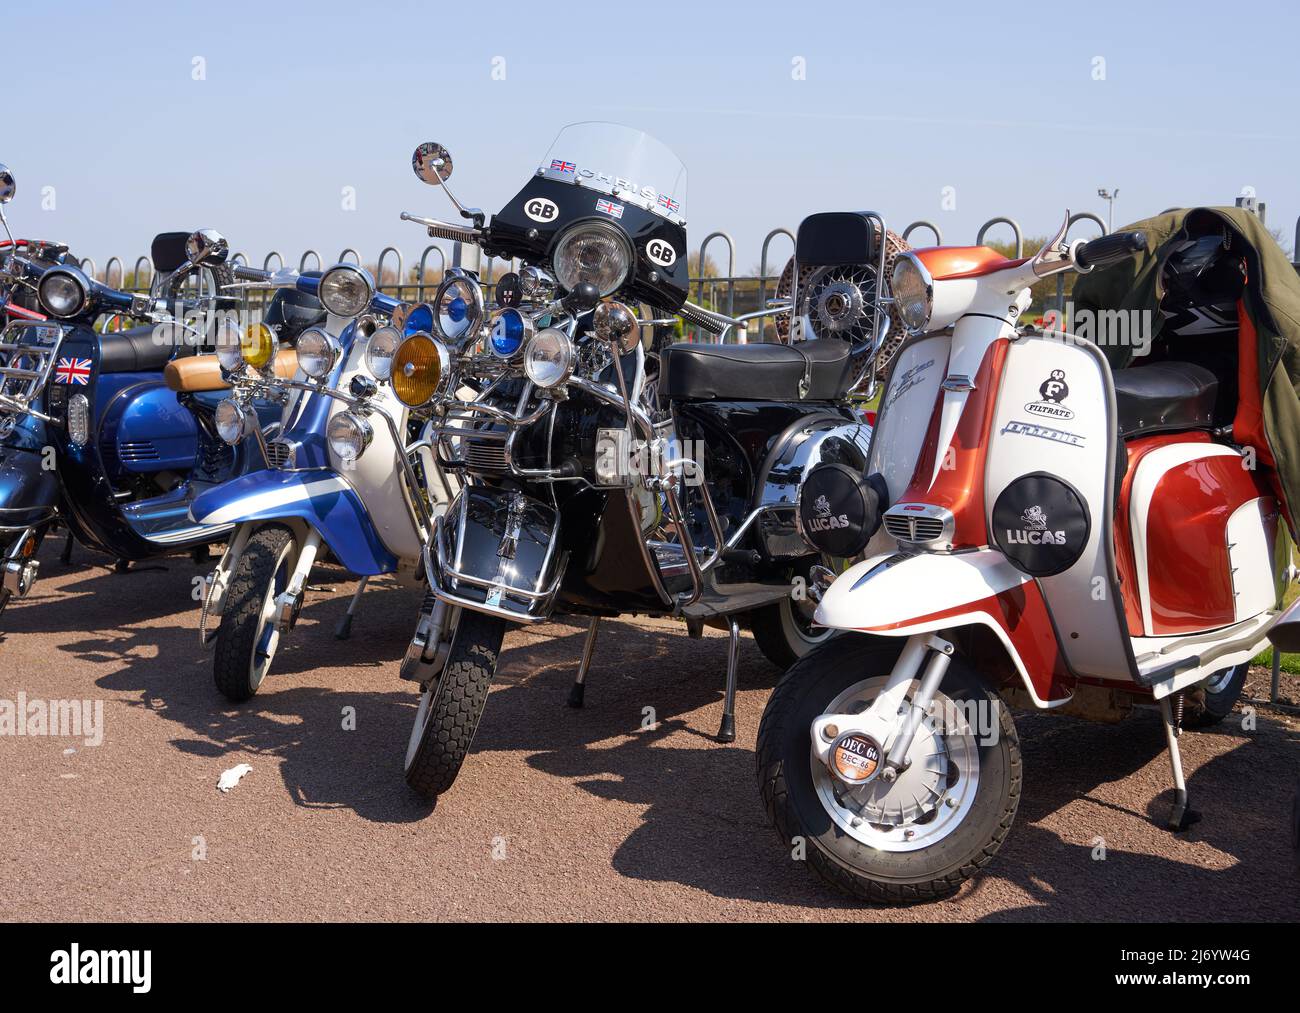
{"x":661,"y":253}
{"x":539,"y":209}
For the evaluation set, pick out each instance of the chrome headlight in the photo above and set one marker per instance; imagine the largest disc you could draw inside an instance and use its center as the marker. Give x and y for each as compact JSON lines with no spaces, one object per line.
{"x":346,"y":290}
{"x":317,"y":353}
{"x":349,"y":435}
{"x":78,"y":419}
{"x":64,"y":292}
{"x":548,"y":359}
{"x":233,"y":421}
{"x":511,"y":330}
{"x":229,"y":341}
{"x":913,"y":292}
{"x":380,"y":350}
{"x":458,"y":308}
{"x":592,"y":252}
{"x":419,"y":368}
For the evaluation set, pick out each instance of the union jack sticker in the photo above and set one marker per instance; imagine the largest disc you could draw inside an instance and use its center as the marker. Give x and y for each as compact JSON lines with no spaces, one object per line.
{"x":669,"y":204}
{"x":610,"y":208}
{"x":559,"y":165}
{"x":72,"y":371}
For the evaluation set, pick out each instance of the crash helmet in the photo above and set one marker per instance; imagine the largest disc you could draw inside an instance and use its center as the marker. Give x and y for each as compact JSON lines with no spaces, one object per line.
{"x":290,"y":312}
{"x":1201,"y":281}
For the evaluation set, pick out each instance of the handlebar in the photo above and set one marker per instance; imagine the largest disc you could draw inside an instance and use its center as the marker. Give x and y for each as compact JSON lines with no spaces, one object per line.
{"x":1108,"y":250}
{"x":246,"y":273}
{"x":444,"y":230}
{"x":712,"y":322}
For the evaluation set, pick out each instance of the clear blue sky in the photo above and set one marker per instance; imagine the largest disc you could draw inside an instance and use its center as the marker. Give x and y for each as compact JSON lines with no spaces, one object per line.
{"x":998,"y":101}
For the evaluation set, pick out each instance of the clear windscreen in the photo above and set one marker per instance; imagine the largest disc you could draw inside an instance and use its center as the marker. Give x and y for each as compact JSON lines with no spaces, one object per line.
{"x":621,"y":161}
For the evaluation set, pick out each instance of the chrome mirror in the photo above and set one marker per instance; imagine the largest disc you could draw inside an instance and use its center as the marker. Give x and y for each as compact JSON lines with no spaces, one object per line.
{"x":207,"y":248}
{"x":616,"y":323}
{"x":432,"y":163}
{"x":7,"y":185}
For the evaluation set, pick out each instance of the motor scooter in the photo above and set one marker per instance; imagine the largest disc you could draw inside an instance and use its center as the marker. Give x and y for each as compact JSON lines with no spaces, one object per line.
{"x":347,"y":473}
{"x":1045,"y":531}
{"x":93,"y":432}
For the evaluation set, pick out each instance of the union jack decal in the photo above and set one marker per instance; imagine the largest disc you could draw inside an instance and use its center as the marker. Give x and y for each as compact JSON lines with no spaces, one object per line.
{"x":667,"y":202}
{"x":559,"y":165}
{"x":72,"y":371}
{"x":610,"y":208}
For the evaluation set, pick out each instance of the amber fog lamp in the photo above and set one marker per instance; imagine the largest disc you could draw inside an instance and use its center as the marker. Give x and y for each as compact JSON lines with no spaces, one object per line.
{"x":419,"y":364}
{"x":258,"y":345}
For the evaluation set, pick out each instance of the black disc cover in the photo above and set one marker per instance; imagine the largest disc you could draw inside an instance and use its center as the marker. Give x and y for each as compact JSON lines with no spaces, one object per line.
{"x":839,"y":509}
{"x":1041,"y":523}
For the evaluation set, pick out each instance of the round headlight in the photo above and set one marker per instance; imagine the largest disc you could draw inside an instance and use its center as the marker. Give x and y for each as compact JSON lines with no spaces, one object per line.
{"x":548,"y":360}
{"x":64,"y":292}
{"x":413,"y":319}
{"x":317,"y":353}
{"x":510,"y":330}
{"x":419,"y":365}
{"x":349,"y":435}
{"x":913,"y":292}
{"x":458,"y":308}
{"x":258,"y":345}
{"x":594,"y":252}
{"x":380,"y":350}
{"x":346,"y":290}
{"x":229,"y":341}
{"x":232,"y":421}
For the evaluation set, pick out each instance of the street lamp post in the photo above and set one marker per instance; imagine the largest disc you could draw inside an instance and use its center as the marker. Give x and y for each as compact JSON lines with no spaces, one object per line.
{"x":1109,"y":197}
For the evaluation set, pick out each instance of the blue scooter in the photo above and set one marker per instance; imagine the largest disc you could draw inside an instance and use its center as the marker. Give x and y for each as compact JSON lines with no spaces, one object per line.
{"x":350,"y":475}
{"x":109,"y":434}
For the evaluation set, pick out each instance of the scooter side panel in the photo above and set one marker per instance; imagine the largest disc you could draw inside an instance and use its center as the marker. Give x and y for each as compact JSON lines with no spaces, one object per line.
{"x":321,"y":498}
{"x":1056,"y":415}
{"x":150,"y":429}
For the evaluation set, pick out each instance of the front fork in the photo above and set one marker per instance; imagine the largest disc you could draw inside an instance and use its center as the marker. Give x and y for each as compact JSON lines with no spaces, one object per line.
{"x":857,"y":747}
{"x":287,"y":604}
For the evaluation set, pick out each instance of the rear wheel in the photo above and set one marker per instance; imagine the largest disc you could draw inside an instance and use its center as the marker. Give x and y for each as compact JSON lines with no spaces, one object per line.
{"x":451,"y":706}
{"x":1211,"y":703}
{"x":249,"y":635}
{"x":918,"y":838}
{"x":784,"y":631}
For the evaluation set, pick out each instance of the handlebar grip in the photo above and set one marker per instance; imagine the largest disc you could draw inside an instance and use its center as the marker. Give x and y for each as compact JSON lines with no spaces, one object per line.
{"x":1112,"y":249}
{"x":698,"y":315}
{"x":250,"y":273}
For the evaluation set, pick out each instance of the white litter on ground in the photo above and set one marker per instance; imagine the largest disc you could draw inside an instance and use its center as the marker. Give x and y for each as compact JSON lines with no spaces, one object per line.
{"x":230,"y":778}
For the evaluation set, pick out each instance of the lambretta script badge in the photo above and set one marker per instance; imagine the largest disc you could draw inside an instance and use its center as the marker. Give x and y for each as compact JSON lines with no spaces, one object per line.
{"x":1035,"y":530}
{"x":855,"y":757}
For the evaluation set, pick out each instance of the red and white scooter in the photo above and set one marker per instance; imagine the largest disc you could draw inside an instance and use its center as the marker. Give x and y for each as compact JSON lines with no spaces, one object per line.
{"x":1055,"y":535}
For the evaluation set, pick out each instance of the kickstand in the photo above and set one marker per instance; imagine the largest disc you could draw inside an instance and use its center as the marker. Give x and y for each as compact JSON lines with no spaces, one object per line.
{"x":66,"y":556}
{"x":578,"y":688}
{"x":1180,"y":817}
{"x":727,"y":730}
{"x":344,"y":629}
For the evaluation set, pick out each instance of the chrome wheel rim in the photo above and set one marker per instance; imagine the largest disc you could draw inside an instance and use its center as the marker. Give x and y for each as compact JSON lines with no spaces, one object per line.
{"x":928,"y":801}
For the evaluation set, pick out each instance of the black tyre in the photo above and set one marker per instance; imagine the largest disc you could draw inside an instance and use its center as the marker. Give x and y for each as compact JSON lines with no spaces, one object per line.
{"x":919,"y":853}
{"x":247,"y":638}
{"x":784,"y":631}
{"x":1209,"y":704}
{"x":450,"y":708}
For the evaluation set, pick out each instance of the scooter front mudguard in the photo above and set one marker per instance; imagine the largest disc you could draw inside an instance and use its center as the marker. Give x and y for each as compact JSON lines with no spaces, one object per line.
{"x":321,"y":498}
{"x":900,"y":595}
{"x":498,"y":551}
{"x":29,"y":492}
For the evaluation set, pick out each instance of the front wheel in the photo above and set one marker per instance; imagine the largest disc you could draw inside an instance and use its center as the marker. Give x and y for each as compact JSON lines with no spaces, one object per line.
{"x":920,"y":837}
{"x":249,"y":632}
{"x":451,"y":706}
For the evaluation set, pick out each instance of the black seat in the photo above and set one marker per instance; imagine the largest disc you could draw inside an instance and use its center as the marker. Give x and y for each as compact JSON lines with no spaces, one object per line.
{"x":1162,"y":396}
{"x":133,"y":351}
{"x":758,"y":372}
